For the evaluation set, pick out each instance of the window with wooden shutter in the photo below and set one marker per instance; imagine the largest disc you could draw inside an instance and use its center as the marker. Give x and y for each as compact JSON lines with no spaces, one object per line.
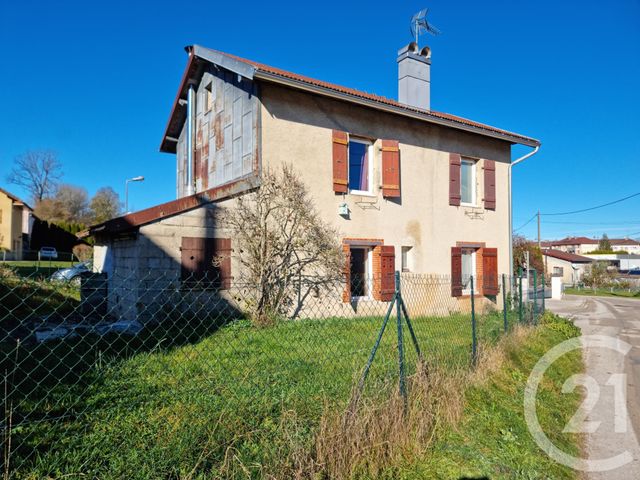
{"x":454,"y":178}
{"x":386,"y":285}
{"x":490,"y":184}
{"x":390,"y":169}
{"x":206,"y":263}
{"x":490,"y":271}
{"x":456,"y":271}
{"x":340,"y":161}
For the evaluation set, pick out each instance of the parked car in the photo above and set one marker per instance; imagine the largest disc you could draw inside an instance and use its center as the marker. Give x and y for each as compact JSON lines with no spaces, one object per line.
{"x":634,"y":271}
{"x":72,"y":274}
{"x":48,"y":253}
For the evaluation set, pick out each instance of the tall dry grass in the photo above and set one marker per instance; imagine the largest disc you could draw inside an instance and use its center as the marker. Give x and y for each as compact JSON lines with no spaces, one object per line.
{"x":383,"y":432}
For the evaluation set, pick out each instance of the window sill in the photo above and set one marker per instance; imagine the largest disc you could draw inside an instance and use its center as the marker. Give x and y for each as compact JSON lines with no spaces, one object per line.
{"x":469,"y":205}
{"x":360,"y":193}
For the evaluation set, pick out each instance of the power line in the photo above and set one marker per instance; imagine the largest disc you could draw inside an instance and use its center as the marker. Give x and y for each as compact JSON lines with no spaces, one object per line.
{"x":629,"y":222}
{"x":526,"y":223}
{"x":592,"y":208}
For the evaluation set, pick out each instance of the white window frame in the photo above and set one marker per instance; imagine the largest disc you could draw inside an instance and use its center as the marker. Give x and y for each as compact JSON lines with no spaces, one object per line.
{"x":474,"y":187}
{"x":368,"y":268}
{"x":405,"y":263}
{"x":369,"y":144}
{"x":474,"y":252}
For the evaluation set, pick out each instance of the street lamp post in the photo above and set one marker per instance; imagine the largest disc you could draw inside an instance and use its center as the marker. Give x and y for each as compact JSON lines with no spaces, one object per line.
{"x":126,"y":191}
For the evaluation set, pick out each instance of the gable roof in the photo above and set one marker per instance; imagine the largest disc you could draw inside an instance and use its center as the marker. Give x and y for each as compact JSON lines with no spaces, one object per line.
{"x":568,"y":257}
{"x":200,"y":56}
{"x":15,"y":199}
{"x":588,"y":241}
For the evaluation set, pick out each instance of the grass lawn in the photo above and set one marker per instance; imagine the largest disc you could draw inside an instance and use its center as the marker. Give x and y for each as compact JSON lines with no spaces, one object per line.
{"x":37,"y":268}
{"x":178,"y":402}
{"x":603,"y":292}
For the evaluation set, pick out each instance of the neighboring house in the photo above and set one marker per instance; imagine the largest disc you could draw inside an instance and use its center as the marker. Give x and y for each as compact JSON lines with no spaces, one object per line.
{"x":569,"y":266}
{"x":16,"y":224}
{"x":623,"y":262}
{"x":584,"y":245}
{"x":409,"y":188}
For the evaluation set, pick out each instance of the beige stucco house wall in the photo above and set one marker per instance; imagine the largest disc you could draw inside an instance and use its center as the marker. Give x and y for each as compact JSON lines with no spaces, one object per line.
{"x":296,"y":129}
{"x":571,"y":272}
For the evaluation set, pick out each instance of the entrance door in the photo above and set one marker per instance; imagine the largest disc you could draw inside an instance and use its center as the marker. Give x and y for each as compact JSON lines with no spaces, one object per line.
{"x":359,"y":257}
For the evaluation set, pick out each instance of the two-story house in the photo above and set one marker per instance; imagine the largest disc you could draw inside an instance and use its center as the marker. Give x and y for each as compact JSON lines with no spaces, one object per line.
{"x":16,"y":224}
{"x":410,"y":189}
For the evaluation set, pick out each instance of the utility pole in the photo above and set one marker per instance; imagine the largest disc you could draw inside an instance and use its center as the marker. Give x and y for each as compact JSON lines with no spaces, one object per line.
{"x":539,"y":243}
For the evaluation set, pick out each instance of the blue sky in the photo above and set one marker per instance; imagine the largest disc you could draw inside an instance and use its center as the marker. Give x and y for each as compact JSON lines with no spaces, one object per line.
{"x":94,"y":81}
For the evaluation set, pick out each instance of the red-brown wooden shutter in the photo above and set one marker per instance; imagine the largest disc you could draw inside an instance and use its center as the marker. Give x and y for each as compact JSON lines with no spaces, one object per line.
{"x":206,"y":262}
{"x":390,"y":169}
{"x":346,"y":293}
{"x":490,"y":271}
{"x":193,"y":258}
{"x":456,"y":271}
{"x":223,"y":253}
{"x":489,"y":184}
{"x":340,"y":162}
{"x":454,"y":179}
{"x":387,"y":272}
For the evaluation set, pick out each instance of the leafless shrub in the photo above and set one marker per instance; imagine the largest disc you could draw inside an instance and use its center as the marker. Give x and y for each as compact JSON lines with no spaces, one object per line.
{"x":285,"y":249}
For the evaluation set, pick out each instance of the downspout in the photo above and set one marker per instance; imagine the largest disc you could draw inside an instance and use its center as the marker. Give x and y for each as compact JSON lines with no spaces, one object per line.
{"x":515,"y":162}
{"x":190,"y":109}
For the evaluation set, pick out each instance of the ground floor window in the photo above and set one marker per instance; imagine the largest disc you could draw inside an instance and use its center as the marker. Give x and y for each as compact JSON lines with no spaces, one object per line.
{"x":406,"y":254}
{"x":360,"y":272}
{"x":468,"y":268}
{"x":558,"y":271}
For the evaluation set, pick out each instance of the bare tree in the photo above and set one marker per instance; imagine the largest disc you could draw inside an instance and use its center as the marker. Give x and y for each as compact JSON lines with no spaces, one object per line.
{"x":285,"y":250}
{"x":75,"y":203}
{"x":104,"y":205}
{"x":37,"y":171}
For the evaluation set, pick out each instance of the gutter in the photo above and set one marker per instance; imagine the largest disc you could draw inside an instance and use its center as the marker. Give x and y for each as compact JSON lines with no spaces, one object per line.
{"x":515,"y":162}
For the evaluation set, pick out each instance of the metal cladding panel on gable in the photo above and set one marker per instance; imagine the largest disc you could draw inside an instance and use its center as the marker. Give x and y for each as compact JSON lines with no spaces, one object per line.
{"x":231,"y":145}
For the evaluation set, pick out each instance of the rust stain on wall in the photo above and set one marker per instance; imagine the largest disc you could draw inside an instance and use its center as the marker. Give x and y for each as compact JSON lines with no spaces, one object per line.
{"x":217,"y":131}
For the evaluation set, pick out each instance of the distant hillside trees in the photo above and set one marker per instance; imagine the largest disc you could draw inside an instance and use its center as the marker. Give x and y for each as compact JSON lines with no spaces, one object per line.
{"x":105,"y":205}
{"x":65,"y":205}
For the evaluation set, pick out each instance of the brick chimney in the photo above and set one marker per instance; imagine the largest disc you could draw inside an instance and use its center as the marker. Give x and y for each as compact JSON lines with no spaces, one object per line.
{"x":414,"y":76}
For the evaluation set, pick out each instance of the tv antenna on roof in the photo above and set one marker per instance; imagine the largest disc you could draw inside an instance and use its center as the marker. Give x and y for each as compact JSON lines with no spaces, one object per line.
{"x":420,"y":25}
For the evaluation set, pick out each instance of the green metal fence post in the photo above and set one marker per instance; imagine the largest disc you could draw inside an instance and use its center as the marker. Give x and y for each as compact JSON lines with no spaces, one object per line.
{"x":520,"y":294}
{"x":535,"y":297}
{"x":504,"y":302}
{"x":474,"y":340}
{"x":403,"y":386}
{"x":544,"y":291}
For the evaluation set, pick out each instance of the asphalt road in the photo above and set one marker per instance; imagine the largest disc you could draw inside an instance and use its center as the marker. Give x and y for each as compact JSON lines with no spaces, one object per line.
{"x":616,"y":431}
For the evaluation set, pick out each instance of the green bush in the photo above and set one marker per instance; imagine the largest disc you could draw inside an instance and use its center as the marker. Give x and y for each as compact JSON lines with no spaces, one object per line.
{"x":559,"y":324}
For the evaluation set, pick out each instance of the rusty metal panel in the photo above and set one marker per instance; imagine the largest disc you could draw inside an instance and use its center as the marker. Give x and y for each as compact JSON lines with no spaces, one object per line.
{"x":226,"y":134}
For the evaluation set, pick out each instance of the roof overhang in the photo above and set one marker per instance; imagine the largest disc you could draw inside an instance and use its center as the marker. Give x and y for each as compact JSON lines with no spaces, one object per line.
{"x":318,"y":90}
{"x":200,"y":57}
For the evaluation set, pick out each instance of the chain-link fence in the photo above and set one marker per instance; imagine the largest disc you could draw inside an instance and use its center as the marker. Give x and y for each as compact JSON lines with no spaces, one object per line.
{"x":147,"y":376}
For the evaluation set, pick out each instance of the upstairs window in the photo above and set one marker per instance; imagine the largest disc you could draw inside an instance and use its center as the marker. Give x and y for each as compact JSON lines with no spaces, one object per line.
{"x":468,"y":182}
{"x":360,"y":166}
{"x":208,"y":97}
